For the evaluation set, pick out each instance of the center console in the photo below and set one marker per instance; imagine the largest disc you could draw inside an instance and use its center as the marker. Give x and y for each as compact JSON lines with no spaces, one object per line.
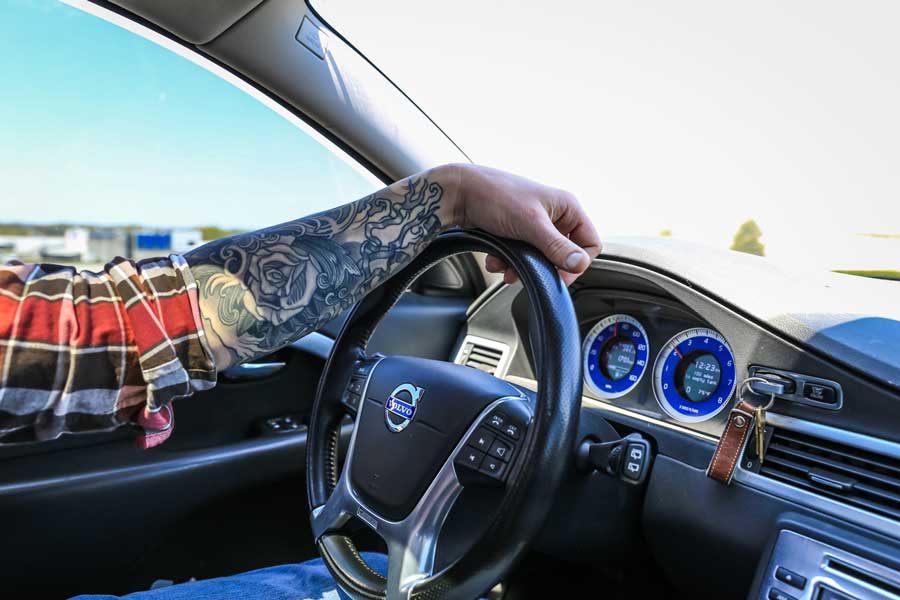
{"x":814,"y":561}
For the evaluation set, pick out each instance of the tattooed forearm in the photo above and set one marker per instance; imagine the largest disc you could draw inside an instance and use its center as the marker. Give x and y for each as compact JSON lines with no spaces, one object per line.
{"x":259,"y":291}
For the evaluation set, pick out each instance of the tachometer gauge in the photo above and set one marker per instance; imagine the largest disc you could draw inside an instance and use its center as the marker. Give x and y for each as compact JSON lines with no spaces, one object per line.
{"x":615,"y":356}
{"x":693,"y":376}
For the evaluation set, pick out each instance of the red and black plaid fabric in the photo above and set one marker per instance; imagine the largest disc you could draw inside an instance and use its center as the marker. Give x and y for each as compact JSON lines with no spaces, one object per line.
{"x":83,"y":351}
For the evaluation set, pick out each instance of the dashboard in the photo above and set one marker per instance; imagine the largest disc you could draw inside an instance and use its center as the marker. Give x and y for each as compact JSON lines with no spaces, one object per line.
{"x":666,"y":347}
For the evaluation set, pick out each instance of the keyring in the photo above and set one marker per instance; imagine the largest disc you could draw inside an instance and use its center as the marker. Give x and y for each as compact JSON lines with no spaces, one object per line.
{"x":747,"y":383}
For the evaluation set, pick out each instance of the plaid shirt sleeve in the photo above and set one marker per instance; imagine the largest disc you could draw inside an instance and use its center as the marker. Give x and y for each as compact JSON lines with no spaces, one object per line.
{"x":83,"y":351}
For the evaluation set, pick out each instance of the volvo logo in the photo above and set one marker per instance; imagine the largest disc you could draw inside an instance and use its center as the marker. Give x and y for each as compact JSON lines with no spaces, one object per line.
{"x":400,"y":407}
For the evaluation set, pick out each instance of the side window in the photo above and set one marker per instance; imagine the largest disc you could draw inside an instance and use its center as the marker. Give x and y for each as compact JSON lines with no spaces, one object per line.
{"x":111,"y":144}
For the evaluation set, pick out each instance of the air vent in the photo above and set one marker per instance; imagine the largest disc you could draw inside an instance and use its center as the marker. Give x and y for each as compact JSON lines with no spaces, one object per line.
{"x":857,"y":477}
{"x":483,"y":354}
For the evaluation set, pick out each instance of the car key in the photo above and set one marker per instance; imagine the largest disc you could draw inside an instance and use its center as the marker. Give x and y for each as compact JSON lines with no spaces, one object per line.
{"x":760,"y":432}
{"x":760,"y":426}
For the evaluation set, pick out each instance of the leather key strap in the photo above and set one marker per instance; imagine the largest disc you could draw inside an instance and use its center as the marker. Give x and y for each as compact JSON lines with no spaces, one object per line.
{"x":740,"y":423}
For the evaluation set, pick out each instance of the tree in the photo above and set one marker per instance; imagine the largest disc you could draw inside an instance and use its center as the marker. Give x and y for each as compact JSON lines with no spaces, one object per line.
{"x":211,"y":232}
{"x":747,"y":239}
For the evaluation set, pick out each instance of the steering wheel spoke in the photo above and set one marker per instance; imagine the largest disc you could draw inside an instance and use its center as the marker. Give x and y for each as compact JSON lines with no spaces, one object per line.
{"x":336,"y":512}
{"x":411,"y":542}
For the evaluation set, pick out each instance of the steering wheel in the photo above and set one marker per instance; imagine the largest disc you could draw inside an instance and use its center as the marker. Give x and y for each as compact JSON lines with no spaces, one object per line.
{"x":428,"y":431}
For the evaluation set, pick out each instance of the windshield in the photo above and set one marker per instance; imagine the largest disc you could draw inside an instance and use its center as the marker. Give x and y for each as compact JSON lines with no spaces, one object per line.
{"x":765,"y":127}
{"x":115,"y":142}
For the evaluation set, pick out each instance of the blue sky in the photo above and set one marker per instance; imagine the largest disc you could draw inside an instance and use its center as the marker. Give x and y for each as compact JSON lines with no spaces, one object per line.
{"x":99,"y":125}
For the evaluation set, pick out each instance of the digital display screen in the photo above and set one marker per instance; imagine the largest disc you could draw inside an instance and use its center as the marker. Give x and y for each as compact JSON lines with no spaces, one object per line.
{"x":617,"y":358}
{"x":702,"y":374}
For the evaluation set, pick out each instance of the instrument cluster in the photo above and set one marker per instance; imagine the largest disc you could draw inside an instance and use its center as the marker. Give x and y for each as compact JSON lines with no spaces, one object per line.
{"x":693,"y":374}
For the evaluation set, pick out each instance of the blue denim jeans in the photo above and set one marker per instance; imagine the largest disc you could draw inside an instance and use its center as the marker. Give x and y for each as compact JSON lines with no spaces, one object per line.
{"x":305,"y":581}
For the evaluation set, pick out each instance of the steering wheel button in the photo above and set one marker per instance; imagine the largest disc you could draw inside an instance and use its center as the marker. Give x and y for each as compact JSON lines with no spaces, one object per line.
{"x":481,"y":439}
{"x":470,"y":457}
{"x":351,"y":400}
{"x":356,"y":386}
{"x":512,"y":430}
{"x":497,"y":421}
{"x":500,"y":450}
{"x":493,"y":467}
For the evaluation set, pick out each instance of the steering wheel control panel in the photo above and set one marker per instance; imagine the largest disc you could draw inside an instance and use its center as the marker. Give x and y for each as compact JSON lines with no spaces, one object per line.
{"x":355,"y":389}
{"x":488,"y":452}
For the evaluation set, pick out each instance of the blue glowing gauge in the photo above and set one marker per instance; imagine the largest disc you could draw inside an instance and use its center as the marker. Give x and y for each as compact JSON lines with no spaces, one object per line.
{"x":616,"y":353}
{"x":694,"y":375}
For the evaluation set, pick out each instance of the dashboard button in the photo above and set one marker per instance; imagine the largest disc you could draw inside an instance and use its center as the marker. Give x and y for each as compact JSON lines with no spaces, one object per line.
{"x":826,"y":593}
{"x":481,"y":439}
{"x":819,"y":393}
{"x":493,"y":467}
{"x":790,"y":578}
{"x":632,"y":470}
{"x":776,"y":594}
{"x":636,"y":452}
{"x":635,"y":457}
{"x":470,"y":457}
{"x":501,"y":450}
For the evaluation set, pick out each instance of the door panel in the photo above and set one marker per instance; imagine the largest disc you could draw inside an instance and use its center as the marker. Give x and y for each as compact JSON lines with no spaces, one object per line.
{"x":97,"y":511}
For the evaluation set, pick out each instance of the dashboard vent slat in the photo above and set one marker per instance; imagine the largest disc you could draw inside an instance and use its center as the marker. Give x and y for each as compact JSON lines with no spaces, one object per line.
{"x":481,"y":357}
{"x":857,"y":477}
{"x":852,"y":454}
{"x":840,"y":465}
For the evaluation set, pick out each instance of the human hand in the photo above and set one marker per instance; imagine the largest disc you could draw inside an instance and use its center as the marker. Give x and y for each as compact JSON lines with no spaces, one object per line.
{"x":510,"y":206}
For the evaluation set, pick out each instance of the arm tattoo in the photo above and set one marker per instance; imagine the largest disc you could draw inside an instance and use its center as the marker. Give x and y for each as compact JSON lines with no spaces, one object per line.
{"x":260,"y":291}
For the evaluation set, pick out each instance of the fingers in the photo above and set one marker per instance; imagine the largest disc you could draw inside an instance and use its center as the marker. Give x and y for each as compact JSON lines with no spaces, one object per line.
{"x":584,"y":243}
{"x":494,"y":264}
{"x":585,"y":235}
{"x":550,"y":219}
{"x":497,"y":265}
{"x":559,"y":249}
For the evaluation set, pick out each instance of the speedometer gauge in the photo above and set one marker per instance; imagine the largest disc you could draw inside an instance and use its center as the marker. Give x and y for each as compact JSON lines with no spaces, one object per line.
{"x":615,"y":356}
{"x":693,"y":376}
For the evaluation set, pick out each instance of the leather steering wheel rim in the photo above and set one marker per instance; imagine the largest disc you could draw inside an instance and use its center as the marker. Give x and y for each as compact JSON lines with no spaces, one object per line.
{"x":546,"y":450}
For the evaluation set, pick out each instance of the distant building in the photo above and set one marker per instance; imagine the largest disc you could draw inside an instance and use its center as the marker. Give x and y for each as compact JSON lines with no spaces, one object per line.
{"x":74,"y":246}
{"x":184,"y":240}
{"x":71,"y":246}
{"x":152,"y":243}
{"x":107,"y":242}
{"x":93,"y":247}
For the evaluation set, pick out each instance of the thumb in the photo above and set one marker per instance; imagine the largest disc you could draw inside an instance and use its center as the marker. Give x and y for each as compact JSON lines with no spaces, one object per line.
{"x":562,"y":252}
